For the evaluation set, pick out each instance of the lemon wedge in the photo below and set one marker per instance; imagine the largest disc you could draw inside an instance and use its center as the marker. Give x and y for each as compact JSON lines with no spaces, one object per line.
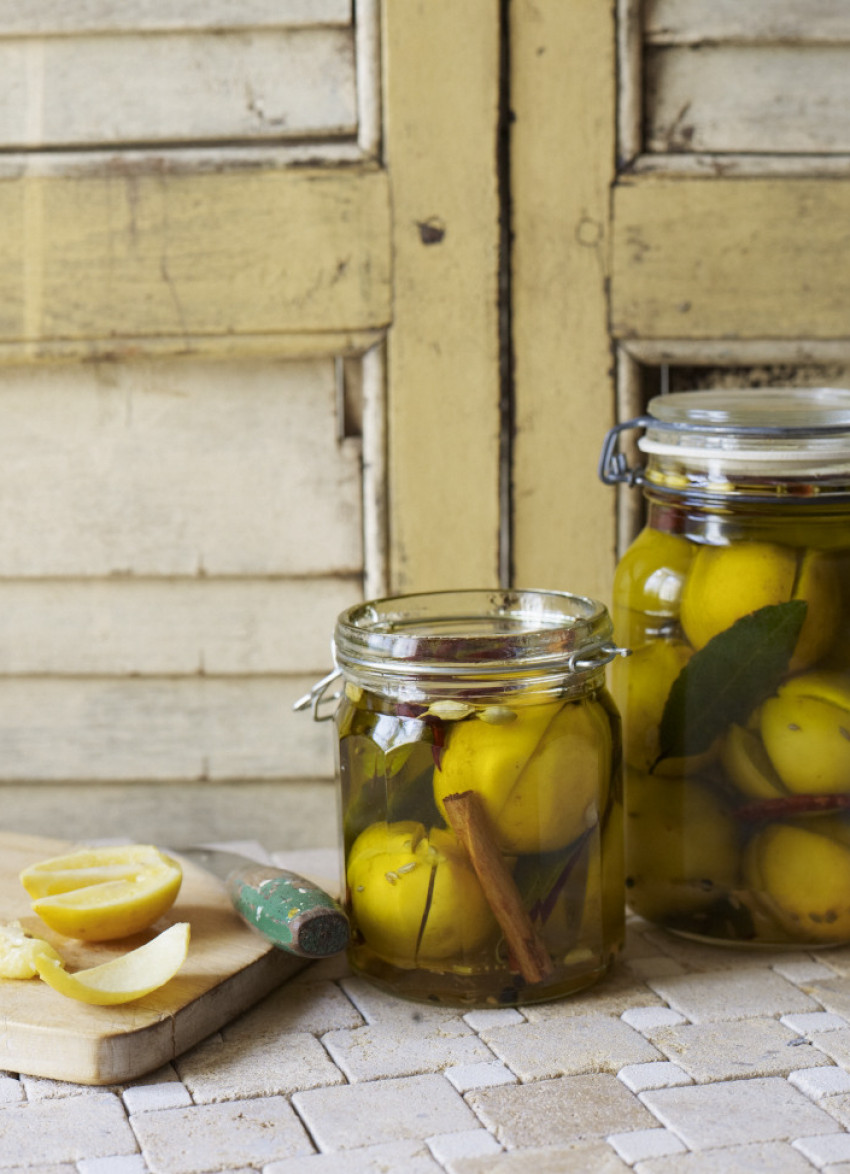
{"x":18,"y":952}
{"x":128,"y":977}
{"x":98,"y":894}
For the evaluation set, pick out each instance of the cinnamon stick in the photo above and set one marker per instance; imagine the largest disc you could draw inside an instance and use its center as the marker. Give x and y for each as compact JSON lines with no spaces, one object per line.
{"x":468,"y":818}
{"x":789,"y":805}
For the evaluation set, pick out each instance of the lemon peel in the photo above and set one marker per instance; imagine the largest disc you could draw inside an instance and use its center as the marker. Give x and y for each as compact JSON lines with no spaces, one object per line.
{"x":99,"y":894}
{"x":19,"y":952}
{"x":123,"y":979}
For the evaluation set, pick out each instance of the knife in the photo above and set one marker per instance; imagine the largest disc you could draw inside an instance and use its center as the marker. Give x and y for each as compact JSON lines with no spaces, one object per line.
{"x":290,"y":911}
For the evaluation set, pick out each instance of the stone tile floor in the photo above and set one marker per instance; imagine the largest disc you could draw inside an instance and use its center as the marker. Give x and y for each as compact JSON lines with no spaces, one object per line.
{"x":686,"y":1059}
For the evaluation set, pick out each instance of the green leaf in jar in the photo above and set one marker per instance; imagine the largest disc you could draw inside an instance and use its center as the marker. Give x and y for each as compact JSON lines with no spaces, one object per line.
{"x":541,"y":879}
{"x":728,"y":678}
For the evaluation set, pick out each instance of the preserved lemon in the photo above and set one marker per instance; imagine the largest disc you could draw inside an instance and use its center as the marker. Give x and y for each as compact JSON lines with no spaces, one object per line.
{"x":802,"y":874}
{"x":651,"y":574}
{"x":748,"y":765}
{"x":415,"y":897}
{"x":670,"y":869}
{"x":543,"y":777}
{"x":641,"y":686}
{"x":725,"y":583}
{"x":806,"y":733}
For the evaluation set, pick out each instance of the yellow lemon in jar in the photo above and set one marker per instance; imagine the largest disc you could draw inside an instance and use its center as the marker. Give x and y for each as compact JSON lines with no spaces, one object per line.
{"x":641,"y":685}
{"x":543,"y":777}
{"x":727,"y":582}
{"x":748,"y":765}
{"x":651,"y":574}
{"x":806,"y":733}
{"x":681,"y":846}
{"x":801,"y":873}
{"x":414,"y":895}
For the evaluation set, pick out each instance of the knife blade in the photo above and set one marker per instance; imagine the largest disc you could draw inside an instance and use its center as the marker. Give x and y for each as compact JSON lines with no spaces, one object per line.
{"x":292,"y":912}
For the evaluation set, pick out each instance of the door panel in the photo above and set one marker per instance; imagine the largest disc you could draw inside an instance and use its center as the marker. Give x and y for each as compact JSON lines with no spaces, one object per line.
{"x":170,"y":86}
{"x":442,"y":103}
{"x":183,"y":330}
{"x":562,"y":167}
{"x":756,"y":79}
{"x":250,"y":367}
{"x":139,"y":255}
{"x":184,"y":729}
{"x":701,"y":258}
{"x":712,"y":237}
{"x":177,"y":467}
{"x":729,"y":235}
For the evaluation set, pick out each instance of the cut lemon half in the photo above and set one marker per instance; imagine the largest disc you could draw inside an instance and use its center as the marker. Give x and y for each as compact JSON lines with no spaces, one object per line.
{"x":97,"y":894}
{"x":129,"y":977}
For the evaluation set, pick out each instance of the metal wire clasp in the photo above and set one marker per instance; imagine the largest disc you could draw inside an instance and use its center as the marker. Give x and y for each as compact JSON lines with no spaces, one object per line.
{"x":316,"y":697}
{"x":614,"y":465}
{"x":587,"y":659}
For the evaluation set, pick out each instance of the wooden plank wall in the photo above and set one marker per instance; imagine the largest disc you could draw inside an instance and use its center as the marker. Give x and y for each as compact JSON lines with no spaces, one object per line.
{"x":177,"y":538}
{"x":181,"y":512}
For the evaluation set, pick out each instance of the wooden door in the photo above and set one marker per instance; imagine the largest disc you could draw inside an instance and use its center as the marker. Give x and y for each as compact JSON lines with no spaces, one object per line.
{"x":681,"y":183}
{"x":249,"y":367}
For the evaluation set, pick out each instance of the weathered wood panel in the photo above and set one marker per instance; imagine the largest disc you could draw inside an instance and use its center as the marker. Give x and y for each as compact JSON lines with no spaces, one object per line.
{"x":179,"y":533}
{"x":441,"y":92}
{"x":730,"y":259}
{"x":562,"y":166}
{"x":695,"y":21}
{"x":58,"y":16}
{"x":150,"y":627}
{"x":280,"y":814}
{"x":176,"y":468}
{"x":194,"y":87}
{"x":159,"y":729}
{"x":747,"y":98}
{"x":148,"y":253}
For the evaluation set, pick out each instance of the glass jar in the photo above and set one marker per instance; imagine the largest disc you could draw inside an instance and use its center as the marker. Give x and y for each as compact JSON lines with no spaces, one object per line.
{"x":480,"y":794}
{"x":735,"y":602}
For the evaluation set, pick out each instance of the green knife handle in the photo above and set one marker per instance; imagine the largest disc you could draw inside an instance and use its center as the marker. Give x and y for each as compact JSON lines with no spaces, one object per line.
{"x":293,"y":913}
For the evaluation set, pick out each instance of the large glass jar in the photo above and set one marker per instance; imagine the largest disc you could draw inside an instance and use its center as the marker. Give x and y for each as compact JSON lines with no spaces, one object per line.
{"x":481,"y":809}
{"x":735,"y":602}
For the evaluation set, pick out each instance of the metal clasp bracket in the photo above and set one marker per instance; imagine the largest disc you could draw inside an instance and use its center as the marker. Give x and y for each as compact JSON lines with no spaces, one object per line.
{"x":595,"y":658}
{"x":613,"y":465}
{"x":316,"y":697}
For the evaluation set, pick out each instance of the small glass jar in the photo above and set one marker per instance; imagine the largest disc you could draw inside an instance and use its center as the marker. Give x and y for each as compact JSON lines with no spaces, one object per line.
{"x":480,"y":787}
{"x":735,"y":602}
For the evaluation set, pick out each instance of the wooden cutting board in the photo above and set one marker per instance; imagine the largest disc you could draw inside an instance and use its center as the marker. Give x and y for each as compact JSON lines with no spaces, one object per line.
{"x":228,"y":968}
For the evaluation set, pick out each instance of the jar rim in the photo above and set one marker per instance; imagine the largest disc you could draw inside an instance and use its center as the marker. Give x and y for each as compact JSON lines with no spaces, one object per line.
{"x":471,"y":633}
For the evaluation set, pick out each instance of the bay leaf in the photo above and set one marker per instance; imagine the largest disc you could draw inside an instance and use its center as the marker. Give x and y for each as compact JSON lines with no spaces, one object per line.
{"x":728,"y":678}
{"x":542,"y":878}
